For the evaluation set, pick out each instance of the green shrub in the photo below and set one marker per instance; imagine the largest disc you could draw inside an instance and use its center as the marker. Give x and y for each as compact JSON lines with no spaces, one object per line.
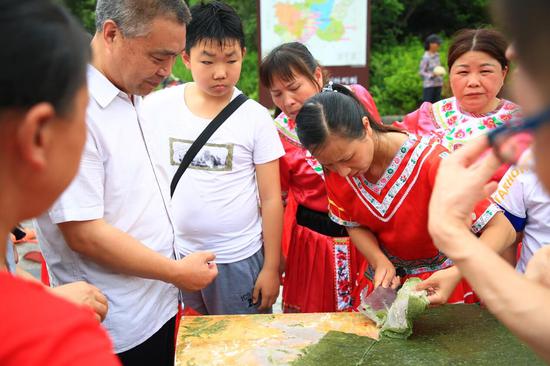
{"x":394,"y":80}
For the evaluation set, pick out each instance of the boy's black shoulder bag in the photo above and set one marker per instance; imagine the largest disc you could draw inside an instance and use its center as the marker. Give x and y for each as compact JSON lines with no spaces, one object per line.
{"x":204,"y":136}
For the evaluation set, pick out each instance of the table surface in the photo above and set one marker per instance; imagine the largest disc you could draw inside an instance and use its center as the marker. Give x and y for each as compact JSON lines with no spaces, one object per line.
{"x":451,"y":334}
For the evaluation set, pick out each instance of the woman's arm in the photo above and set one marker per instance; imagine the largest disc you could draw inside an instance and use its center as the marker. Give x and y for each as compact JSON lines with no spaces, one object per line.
{"x":366,"y":242}
{"x":520,"y":302}
{"x":498,"y":234}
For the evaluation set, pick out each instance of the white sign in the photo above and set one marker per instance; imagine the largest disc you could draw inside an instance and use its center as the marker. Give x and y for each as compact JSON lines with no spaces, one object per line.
{"x":335,"y":31}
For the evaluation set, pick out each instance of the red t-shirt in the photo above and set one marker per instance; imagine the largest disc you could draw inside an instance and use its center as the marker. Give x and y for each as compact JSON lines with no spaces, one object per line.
{"x":38,"y":328}
{"x":395,"y":209}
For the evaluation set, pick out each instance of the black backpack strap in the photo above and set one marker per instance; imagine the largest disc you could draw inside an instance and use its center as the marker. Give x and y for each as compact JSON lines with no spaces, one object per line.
{"x":204,"y":136}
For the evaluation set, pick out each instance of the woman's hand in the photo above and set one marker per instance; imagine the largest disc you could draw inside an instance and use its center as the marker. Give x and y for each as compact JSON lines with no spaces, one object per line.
{"x":384,"y":273}
{"x":440,"y":285}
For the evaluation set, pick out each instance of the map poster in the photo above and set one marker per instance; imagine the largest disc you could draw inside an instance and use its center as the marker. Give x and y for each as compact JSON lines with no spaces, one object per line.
{"x":335,"y":31}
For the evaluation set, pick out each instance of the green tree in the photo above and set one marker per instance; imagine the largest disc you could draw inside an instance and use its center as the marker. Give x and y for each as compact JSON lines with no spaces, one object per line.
{"x":395,"y":84}
{"x":448,"y":16}
{"x":393,"y":21}
{"x":398,"y":28}
{"x":83,"y":10}
{"x":384,"y":28}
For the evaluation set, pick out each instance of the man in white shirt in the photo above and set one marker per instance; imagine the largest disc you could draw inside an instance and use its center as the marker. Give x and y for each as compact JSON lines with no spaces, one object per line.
{"x":112,"y":226}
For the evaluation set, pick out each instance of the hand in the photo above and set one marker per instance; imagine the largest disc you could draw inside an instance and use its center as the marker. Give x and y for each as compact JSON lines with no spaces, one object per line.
{"x":440,"y":285}
{"x":461,"y":182}
{"x":384,"y":274}
{"x":538,"y":268}
{"x":83,"y":294}
{"x":267,"y":285}
{"x":195,"y":271}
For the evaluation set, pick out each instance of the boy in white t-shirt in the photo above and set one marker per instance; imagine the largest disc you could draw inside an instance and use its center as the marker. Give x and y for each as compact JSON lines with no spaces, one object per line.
{"x":527,"y":205}
{"x":215,"y":204}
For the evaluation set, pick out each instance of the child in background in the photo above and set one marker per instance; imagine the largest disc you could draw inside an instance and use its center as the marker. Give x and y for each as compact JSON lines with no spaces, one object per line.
{"x":432,"y":81}
{"x":527,"y":205}
{"x":215,"y":205}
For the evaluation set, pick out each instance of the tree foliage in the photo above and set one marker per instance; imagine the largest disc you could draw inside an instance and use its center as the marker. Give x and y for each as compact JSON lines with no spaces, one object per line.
{"x":395,"y":84}
{"x":393,"y":21}
{"x":397,"y":28}
{"x":84,"y":10}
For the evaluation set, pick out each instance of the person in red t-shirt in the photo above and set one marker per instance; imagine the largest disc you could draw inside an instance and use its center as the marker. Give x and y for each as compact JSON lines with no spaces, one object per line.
{"x":43,"y":98}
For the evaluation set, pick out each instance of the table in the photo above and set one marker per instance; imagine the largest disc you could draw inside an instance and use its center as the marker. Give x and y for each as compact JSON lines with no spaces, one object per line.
{"x":447,"y":335}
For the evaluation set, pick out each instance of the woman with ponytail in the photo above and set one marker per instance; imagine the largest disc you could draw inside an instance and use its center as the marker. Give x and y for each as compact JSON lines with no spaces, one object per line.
{"x":379,"y":180}
{"x":322,"y":266}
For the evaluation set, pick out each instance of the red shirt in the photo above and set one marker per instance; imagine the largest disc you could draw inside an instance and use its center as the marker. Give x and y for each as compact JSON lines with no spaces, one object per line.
{"x":38,"y":328}
{"x":395,"y":209}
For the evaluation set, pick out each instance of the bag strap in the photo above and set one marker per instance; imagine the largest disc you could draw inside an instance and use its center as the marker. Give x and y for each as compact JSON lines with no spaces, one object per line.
{"x":203,"y":138}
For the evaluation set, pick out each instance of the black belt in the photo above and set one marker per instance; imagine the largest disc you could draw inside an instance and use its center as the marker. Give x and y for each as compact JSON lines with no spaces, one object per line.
{"x":319,"y":222}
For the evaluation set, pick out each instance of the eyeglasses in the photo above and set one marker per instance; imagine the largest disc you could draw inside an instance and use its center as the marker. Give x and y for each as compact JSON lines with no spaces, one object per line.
{"x":508,"y":142}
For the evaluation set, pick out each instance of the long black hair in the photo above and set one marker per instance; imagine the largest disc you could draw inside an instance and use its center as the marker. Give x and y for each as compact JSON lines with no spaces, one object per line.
{"x":46,"y":61}
{"x":337,"y":112}
{"x":287,"y":60}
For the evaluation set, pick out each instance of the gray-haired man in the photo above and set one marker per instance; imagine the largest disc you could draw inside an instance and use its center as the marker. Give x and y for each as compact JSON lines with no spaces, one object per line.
{"x":112,"y":226}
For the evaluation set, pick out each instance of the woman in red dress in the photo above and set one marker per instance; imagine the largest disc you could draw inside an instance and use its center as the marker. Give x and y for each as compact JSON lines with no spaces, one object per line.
{"x":379,"y":181}
{"x":322,"y":266}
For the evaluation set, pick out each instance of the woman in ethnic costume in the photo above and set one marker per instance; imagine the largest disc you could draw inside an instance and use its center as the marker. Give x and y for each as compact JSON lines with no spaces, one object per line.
{"x":477,"y":69}
{"x":379,"y":181}
{"x":322,"y":266}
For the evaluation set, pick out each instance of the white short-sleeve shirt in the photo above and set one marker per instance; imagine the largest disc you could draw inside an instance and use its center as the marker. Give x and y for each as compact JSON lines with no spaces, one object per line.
{"x":118,"y":182}
{"x":527,"y":206}
{"x":215,"y":205}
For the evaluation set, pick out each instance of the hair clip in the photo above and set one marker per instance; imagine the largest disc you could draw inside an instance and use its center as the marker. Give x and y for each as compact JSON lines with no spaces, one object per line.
{"x":328,"y":88}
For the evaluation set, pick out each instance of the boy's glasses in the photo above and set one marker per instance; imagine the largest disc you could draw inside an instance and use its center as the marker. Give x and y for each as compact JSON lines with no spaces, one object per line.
{"x":508,"y":142}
